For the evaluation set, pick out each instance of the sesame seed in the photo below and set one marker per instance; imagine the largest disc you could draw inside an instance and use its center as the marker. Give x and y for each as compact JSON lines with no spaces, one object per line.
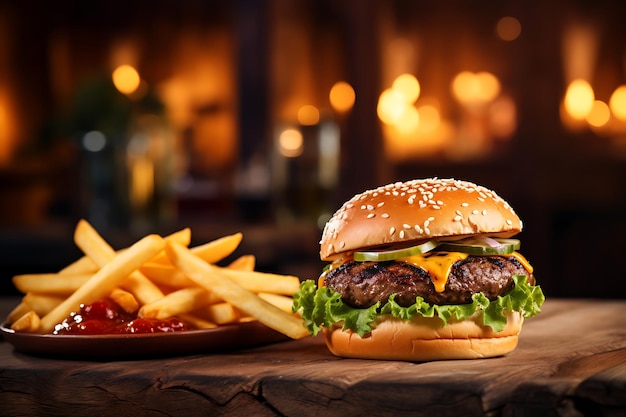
{"x":401,"y":234}
{"x":509,"y":222}
{"x":465,"y":204}
{"x":418,"y":229}
{"x":475,"y":211}
{"x":385,"y":215}
{"x":370,"y":207}
{"x":480,"y":199}
{"x":458,"y":218}
{"x":382,"y":203}
{"x":363,"y":207}
{"x":342,"y":244}
{"x":458,"y":212}
{"x":430,"y":219}
{"x":406,"y":226}
{"x":484,"y":212}
{"x":392,"y":230}
{"x":370,"y":215}
{"x":436,"y":207}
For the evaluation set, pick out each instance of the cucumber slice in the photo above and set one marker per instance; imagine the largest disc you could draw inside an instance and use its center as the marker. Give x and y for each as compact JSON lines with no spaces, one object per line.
{"x":389,"y":255}
{"x":481,"y":246}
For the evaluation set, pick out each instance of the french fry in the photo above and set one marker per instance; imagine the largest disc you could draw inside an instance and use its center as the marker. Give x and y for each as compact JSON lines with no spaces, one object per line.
{"x":18,"y":311}
{"x":83,"y":265}
{"x":255,"y":281}
{"x":218,"y":249}
{"x":280,"y":301}
{"x":28,"y":323}
{"x":220,"y":313}
{"x":197,"y":322}
{"x":105,"y":280}
{"x":243,"y":263}
{"x":178,"y":302}
{"x":42,"y":304}
{"x":60,"y":284}
{"x":182,"y":237}
{"x":216,"y":281}
{"x":166,"y":275}
{"x":94,"y":246}
{"x":124,"y":299}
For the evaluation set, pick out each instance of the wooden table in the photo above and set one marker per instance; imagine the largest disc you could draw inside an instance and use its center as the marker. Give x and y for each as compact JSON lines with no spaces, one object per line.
{"x":571,"y":361}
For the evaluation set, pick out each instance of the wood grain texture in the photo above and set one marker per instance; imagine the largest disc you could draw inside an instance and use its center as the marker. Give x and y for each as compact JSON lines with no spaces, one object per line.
{"x":571,"y":361}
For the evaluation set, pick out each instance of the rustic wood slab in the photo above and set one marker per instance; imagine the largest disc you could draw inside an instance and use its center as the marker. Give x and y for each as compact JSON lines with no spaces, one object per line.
{"x":571,"y":361}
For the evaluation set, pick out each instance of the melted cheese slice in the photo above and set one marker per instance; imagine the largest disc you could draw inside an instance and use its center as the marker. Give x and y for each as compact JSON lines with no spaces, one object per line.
{"x":437,"y":264}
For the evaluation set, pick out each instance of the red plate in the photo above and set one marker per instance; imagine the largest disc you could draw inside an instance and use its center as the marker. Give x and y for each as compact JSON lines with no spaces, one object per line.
{"x":141,"y":346}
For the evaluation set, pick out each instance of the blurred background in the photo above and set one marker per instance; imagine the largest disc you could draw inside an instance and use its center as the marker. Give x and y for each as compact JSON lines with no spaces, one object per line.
{"x":264,"y":116}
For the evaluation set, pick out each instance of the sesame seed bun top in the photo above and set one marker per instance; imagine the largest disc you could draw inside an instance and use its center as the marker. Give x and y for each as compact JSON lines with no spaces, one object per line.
{"x":414,"y":211}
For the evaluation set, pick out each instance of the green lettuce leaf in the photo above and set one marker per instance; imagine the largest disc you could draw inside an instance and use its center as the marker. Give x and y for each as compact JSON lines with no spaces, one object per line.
{"x":324,"y":307}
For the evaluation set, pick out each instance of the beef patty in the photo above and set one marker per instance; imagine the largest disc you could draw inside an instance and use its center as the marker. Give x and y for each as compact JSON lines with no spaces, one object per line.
{"x":363,"y":284}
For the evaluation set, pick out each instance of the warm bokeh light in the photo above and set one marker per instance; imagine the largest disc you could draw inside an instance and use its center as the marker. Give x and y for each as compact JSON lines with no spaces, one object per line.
{"x":391,"y":106}
{"x":408,"y":86}
{"x":429,"y":118}
{"x":342,"y":96}
{"x":290,"y":143}
{"x":503,"y":117}
{"x":579,"y":99}
{"x":475,"y":88}
{"x":395,"y":104}
{"x":408,"y":121}
{"x":126,"y":79}
{"x":599,"y":114}
{"x":6,"y":145}
{"x":308,"y":115}
{"x":508,"y":28}
{"x":617,"y":102}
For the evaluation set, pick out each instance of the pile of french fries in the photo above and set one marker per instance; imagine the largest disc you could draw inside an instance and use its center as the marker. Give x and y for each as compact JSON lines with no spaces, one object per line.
{"x":159,"y":277}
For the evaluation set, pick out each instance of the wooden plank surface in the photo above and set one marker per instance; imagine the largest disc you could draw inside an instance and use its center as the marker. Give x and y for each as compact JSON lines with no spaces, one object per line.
{"x":571,"y":361}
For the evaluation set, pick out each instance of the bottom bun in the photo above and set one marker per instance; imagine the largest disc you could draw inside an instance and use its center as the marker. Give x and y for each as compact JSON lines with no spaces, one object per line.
{"x":425,"y":339}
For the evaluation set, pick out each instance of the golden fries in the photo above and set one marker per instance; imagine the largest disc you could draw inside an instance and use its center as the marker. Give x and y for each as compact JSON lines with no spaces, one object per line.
{"x":94,"y":246}
{"x":105,"y":280}
{"x":29,"y":323}
{"x":214,"y":280}
{"x":178,"y":302}
{"x":60,"y":284}
{"x":124,"y":299}
{"x":159,"y":278}
{"x":243,"y":263}
{"x":218,"y":249}
{"x":42,"y":304}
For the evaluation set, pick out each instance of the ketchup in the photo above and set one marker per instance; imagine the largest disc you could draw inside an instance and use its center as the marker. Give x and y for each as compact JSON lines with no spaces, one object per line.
{"x":106,"y":317}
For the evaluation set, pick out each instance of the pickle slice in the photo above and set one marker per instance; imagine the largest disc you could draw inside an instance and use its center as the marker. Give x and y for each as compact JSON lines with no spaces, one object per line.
{"x":389,"y":255}
{"x":481,"y":246}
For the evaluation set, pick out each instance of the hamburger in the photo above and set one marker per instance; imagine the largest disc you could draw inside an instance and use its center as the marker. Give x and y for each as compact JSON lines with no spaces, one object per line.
{"x":421,"y":270}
